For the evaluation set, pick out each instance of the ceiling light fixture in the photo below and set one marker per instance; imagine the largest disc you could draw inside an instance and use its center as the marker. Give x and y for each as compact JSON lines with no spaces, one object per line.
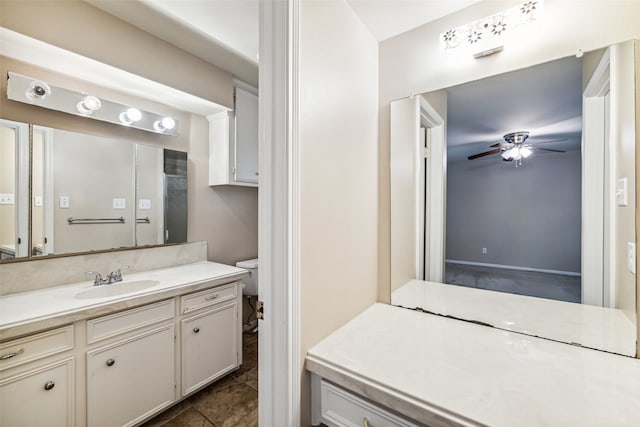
{"x":38,"y":93}
{"x":486,"y":36}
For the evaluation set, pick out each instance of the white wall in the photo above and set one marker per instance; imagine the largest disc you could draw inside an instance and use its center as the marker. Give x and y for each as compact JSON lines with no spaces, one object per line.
{"x":526,"y":217}
{"x":338,"y":78}
{"x":412,"y":63}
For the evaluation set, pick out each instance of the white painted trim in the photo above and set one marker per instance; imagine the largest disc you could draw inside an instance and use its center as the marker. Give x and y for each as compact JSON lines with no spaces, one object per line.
{"x":436,"y":191}
{"x":48,"y":199}
{"x":245,"y":86}
{"x":594,"y":144}
{"x":513,"y":267}
{"x":279,"y":345}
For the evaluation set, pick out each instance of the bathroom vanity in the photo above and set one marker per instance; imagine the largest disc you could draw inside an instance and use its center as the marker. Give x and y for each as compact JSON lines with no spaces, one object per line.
{"x":117,"y":354}
{"x":444,"y":372}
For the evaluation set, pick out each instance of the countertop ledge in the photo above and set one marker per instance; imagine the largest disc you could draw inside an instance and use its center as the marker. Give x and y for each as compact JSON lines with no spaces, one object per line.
{"x":28,"y":312}
{"x":445,"y":372}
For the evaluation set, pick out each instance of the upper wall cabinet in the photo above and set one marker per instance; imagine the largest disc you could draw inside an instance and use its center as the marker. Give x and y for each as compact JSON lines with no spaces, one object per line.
{"x":233,"y":141}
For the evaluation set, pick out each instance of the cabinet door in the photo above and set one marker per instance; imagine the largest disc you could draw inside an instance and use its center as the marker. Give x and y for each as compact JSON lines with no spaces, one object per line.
{"x":209,"y":346}
{"x":42,"y":396}
{"x":131,"y":379}
{"x":246,"y":141}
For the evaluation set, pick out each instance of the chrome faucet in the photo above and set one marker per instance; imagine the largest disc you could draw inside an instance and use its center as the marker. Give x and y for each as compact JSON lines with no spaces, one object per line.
{"x":116,"y":276}
{"x":113,"y":277}
{"x":99,"y":280}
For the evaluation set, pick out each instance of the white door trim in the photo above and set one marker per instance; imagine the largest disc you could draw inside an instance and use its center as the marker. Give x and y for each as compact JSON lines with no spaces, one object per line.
{"x":48,"y":199}
{"x":594,"y":144}
{"x":436,"y":192}
{"x":279,"y":364}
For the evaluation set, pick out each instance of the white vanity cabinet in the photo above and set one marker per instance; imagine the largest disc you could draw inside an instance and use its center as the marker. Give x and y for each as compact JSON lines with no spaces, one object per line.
{"x":37,"y":380}
{"x":131,"y":369}
{"x":210,"y":336}
{"x":233,"y":141}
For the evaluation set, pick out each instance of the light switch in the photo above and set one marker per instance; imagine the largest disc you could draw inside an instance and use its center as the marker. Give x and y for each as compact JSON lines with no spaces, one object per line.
{"x":64,"y":202}
{"x":631,"y":257}
{"x":37,"y":201}
{"x":621,"y":192}
{"x":144,"y":204}
{"x":119,"y":203}
{"x":7,"y":199}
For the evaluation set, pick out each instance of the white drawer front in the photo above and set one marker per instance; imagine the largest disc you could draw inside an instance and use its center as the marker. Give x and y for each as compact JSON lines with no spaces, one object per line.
{"x":34,"y":347}
{"x":125,"y":321}
{"x":341,"y":408}
{"x":208,"y":297}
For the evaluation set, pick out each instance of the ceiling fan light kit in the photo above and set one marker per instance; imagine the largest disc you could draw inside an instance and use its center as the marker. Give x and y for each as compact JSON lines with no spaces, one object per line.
{"x":514,"y":148}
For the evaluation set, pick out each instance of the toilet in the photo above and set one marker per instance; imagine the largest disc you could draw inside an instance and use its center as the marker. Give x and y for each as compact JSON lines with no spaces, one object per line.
{"x":250,"y":284}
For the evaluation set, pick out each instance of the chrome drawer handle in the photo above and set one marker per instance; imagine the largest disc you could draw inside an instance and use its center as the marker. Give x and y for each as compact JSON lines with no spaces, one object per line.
{"x":365,"y":422}
{"x":111,"y":362}
{"x":211,"y":297}
{"x":11,"y":355}
{"x":49,"y":385}
{"x":196,"y":330}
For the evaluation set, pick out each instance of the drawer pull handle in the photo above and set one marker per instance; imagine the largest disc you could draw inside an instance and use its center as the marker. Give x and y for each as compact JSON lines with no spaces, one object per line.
{"x":365,"y":422}
{"x":196,"y":330}
{"x":49,"y":385}
{"x":211,"y":297}
{"x":111,"y":362}
{"x":11,"y":355}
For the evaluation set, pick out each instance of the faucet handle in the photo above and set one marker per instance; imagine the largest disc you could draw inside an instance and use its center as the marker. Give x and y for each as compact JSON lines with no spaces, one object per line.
{"x":98,"y":279}
{"x":116,"y":276}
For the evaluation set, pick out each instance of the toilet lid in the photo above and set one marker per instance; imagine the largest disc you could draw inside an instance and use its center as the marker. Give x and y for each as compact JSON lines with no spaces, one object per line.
{"x":250,"y":263}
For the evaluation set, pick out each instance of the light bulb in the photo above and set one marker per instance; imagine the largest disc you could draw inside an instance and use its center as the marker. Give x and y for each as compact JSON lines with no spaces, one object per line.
{"x":525,"y":152}
{"x":165,"y":124}
{"x":38,"y":90}
{"x":515,"y":153}
{"x":130,"y":116}
{"x":88,"y":105}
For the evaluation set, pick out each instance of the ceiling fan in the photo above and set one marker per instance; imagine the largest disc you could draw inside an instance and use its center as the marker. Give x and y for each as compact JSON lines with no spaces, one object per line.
{"x":514,"y":148}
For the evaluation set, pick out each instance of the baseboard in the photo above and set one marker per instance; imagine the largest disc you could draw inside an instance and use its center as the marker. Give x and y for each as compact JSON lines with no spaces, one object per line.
{"x":513,"y":267}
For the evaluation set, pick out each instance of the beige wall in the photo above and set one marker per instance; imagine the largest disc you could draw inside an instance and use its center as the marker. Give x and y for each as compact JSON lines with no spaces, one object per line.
{"x":338,"y":172}
{"x":81,"y":28}
{"x":412,"y":63}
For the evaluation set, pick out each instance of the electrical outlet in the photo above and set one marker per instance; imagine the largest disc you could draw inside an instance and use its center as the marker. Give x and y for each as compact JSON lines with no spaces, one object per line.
{"x":484,"y":251}
{"x":37,"y":201}
{"x":64,"y":202}
{"x":7,"y":199}
{"x":144,"y":204}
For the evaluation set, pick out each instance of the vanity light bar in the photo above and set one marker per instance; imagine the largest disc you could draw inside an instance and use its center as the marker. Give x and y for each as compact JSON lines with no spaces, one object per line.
{"x":36,"y":92}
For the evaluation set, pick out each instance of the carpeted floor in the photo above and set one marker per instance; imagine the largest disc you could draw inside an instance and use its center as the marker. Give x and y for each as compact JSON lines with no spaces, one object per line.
{"x":531,"y":283}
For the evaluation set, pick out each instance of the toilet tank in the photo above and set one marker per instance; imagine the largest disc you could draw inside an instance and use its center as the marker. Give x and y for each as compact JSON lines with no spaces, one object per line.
{"x":250,"y":283}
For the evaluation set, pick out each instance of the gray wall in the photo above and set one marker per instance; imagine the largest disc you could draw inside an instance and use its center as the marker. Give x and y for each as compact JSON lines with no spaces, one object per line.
{"x":527,"y":216}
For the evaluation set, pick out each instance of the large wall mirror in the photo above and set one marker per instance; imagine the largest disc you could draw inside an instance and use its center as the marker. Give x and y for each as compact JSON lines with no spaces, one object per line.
{"x":513,"y":200}
{"x":63,"y":192}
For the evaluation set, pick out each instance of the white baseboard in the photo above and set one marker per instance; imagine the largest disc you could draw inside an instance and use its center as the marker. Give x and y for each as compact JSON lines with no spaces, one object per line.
{"x":513,"y":267}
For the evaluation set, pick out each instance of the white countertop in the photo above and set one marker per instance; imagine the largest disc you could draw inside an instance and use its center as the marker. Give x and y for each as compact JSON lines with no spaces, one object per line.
{"x":590,"y":326}
{"x":438,"y":370}
{"x":27,"y":312}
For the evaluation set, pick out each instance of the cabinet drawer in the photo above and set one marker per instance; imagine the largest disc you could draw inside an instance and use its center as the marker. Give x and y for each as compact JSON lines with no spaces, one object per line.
{"x":34,"y":347}
{"x":209,"y":297}
{"x":340,"y":408}
{"x":125,"y":321}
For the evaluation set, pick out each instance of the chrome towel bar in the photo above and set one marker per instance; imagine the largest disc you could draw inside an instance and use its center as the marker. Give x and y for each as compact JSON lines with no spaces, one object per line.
{"x":72,"y":220}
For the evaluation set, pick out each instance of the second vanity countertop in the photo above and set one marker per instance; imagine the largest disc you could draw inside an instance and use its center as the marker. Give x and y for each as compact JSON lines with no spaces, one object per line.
{"x":441,"y":371}
{"x":27,"y":312}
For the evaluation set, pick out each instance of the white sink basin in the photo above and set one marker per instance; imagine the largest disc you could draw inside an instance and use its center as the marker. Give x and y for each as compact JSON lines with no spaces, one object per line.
{"x":116,"y":289}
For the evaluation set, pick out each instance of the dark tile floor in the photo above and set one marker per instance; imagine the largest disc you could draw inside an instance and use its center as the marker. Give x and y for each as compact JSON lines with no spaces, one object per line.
{"x":229,"y":402}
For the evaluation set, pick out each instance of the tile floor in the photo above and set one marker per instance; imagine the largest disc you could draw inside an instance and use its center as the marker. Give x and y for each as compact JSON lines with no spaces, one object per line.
{"x":229,"y":402}
{"x":542,"y":285}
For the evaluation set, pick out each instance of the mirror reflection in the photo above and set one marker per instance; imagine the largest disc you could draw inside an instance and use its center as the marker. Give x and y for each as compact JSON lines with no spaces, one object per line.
{"x":522,"y":184}
{"x":65,"y":192}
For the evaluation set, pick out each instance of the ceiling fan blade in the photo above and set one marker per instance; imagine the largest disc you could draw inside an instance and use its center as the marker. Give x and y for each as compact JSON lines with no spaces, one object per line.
{"x":497,"y":144}
{"x":550,"y":149}
{"x":546,"y":142}
{"x":486,"y":153}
